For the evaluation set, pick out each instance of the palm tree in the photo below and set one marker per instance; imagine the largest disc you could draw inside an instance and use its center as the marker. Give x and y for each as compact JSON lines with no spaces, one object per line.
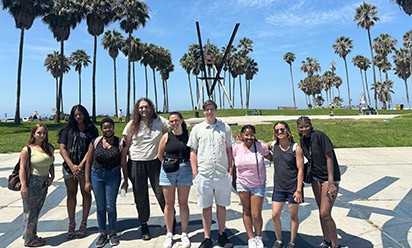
{"x":402,"y":69}
{"x":63,"y":16}
{"x":406,"y":5}
{"x":134,"y":53}
{"x":310,"y":66}
{"x":384,"y":90}
{"x":24,"y":13}
{"x":289,"y":58}
{"x":153,"y":63}
{"x":98,"y":14}
{"x":250,"y":71}
{"x":79,"y":59}
{"x":53,"y":64}
{"x":146,"y":57}
{"x":342,"y":47}
{"x":187,"y":64}
{"x":366,"y":16}
{"x":165,"y":66}
{"x":358,"y":61}
{"x":407,"y":44}
{"x":113,"y":41}
{"x":132,"y":14}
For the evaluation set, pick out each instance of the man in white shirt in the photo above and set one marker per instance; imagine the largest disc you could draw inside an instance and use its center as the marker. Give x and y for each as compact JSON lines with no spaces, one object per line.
{"x":211,"y":160}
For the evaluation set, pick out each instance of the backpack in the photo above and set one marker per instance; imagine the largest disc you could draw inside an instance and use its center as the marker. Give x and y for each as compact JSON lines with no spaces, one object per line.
{"x":118,"y":144}
{"x":13,"y":182}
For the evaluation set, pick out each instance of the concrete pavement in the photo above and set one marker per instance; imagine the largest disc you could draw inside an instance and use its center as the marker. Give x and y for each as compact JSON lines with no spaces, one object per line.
{"x":372,"y":209}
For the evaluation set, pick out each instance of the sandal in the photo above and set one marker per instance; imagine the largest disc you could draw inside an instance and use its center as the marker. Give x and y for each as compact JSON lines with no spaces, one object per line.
{"x":82,"y":230}
{"x":71,"y":233}
{"x":34,"y":243}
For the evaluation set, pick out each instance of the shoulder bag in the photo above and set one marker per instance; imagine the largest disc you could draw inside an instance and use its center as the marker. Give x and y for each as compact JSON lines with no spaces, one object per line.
{"x":14,"y":179}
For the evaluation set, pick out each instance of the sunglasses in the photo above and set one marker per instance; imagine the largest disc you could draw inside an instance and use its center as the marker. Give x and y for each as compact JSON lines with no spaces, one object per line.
{"x":280,"y":130}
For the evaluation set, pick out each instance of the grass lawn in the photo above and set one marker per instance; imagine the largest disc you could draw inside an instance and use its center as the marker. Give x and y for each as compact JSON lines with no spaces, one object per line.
{"x":344,"y":133}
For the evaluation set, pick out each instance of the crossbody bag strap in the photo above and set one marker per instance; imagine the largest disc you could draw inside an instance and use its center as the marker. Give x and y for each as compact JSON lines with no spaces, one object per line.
{"x":28,"y":161}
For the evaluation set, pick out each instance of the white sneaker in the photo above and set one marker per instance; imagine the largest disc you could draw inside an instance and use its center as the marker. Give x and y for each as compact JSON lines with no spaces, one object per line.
{"x":259,"y":242}
{"x":168,"y":241}
{"x":185,"y":240}
{"x":251,"y":243}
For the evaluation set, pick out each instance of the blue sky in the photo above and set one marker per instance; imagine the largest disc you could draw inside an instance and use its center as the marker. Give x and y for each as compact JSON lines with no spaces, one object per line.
{"x":304,"y":27}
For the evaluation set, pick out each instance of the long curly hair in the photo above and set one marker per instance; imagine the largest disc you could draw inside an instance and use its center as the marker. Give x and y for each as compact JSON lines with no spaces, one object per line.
{"x":287,"y":130}
{"x":45,"y":143}
{"x":136,"y":115}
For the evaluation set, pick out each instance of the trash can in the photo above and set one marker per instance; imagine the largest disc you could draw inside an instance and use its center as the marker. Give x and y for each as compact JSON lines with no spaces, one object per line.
{"x":401,"y":106}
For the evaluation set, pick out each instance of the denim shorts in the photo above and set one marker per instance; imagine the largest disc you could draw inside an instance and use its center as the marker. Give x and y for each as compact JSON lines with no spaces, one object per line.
{"x":182,"y":177}
{"x":280,"y":196}
{"x":258,"y":191}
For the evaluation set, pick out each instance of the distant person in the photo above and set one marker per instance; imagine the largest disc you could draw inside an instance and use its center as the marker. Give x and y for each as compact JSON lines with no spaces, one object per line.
{"x":142,"y":135}
{"x":103,"y":177}
{"x":287,"y":181}
{"x":318,"y":148}
{"x":249,"y":160}
{"x":119,"y":115}
{"x":35,"y":116}
{"x":74,"y":140}
{"x":34,"y":188}
{"x":173,"y":145}
{"x":211,"y":159}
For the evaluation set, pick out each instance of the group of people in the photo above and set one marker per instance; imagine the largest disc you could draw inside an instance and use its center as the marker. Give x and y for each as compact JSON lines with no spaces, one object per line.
{"x":172,"y":159}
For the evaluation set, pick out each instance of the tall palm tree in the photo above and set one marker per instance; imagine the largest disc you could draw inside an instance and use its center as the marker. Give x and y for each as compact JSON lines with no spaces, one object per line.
{"x":187,"y":63}
{"x":63,"y":16}
{"x":359,"y":61}
{"x":402,"y":69}
{"x":53,"y":64}
{"x":153,"y":63}
{"x":24,"y":12}
{"x":79,"y":59}
{"x":383,"y":46}
{"x":146,"y":57}
{"x":366,"y":16}
{"x":134,"y":52}
{"x":407,"y":44}
{"x":343,"y":46}
{"x":289,"y":58}
{"x":98,"y":14}
{"x":113,"y":41}
{"x":165,"y":66}
{"x":132,"y":14}
{"x":250,"y":71}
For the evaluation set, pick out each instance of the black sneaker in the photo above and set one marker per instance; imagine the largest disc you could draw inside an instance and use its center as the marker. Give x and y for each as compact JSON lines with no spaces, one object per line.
{"x":223,"y":241}
{"x":325,"y":244}
{"x":207,"y":243}
{"x":145,"y":232}
{"x":114,"y":240}
{"x":101,"y":241}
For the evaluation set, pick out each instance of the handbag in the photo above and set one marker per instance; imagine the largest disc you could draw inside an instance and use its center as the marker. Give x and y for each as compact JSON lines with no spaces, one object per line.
{"x":171,"y":164}
{"x":13,"y":182}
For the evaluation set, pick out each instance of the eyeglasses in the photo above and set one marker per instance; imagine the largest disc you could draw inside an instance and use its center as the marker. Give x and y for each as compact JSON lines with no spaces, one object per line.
{"x":280,"y":130}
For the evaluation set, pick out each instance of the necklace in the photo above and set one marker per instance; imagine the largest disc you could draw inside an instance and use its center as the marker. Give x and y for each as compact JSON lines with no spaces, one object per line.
{"x":284,"y":149}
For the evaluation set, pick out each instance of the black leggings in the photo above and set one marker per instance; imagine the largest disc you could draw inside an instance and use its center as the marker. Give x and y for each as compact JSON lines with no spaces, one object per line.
{"x":139,"y":172}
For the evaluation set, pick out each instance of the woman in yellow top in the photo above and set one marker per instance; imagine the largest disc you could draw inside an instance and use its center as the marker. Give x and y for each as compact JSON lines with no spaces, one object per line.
{"x":34,"y":188}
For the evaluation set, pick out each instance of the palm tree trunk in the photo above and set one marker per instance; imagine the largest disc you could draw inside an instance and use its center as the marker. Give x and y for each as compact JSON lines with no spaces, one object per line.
{"x":363,"y":84}
{"x":57,"y":96}
{"x":347,"y":81}
{"x":191,"y":92}
{"x":293,"y":87}
{"x":19,"y":69}
{"x":61,"y":81}
{"x":115,"y":86}
{"x":80,"y":88}
{"x":373,"y":70}
{"x":367,"y":88}
{"x":407,"y":94}
{"x":94,"y":80}
{"x":164,"y":95}
{"x":240,"y":91}
{"x":128,"y":81}
{"x":147,"y":81}
{"x":134,"y":82}
{"x":155,"y":89}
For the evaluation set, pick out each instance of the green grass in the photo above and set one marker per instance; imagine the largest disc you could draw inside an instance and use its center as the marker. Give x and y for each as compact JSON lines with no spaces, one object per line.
{"x":344,"y":133}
